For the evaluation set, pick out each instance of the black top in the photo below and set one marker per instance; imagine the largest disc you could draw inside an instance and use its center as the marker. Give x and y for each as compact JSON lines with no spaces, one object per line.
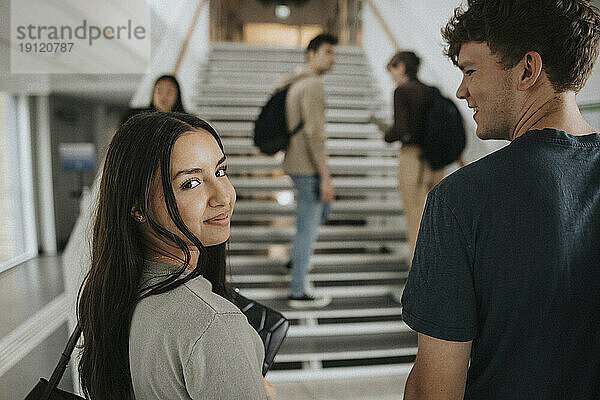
{"x":508,"y":255}
{"x":411,"y":101}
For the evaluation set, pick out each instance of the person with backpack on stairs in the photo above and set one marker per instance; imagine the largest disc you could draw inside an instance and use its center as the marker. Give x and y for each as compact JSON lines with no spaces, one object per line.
{"x":306,"y":162}
{"x":413,"y":107}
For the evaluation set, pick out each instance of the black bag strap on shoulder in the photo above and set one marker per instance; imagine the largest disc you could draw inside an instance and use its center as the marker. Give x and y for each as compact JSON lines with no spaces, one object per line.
{"x":59,"y":371}
{"x":296,"y":129}
{"x":48,"y":390}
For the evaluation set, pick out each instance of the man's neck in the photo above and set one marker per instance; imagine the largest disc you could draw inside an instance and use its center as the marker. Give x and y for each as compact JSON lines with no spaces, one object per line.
{"x":553,"y":110}
{"x":315,"y":69}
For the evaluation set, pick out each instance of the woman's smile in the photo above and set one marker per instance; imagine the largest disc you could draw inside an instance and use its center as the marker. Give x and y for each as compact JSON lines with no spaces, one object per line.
{"x":220,"y":220}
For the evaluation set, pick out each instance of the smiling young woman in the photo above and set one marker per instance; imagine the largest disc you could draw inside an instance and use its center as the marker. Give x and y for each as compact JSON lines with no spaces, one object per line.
{"x":154,"y":309}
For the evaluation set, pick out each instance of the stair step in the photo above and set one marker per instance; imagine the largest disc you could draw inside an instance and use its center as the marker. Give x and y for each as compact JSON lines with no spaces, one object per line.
{"x":323,"y":245}
{"x":256,"y":100}
{"x":269,"y":279}
{"x":298,"y":349}
{"x":338,"y":291}
{"x":334,"y":162}
{"x":341,"y":185}
{"x":400,"y":371}
{"x":339,"y":272}
{"x":332,"y":129}
{"x":325,"y":285}
{"x":223,"y":113}
{"x":294,"y":57}
{"x":335,"y":147}
{"x":274,"y":78}
{"x":340,"y":308}
{"x":339,"y":208}
{"x":265,"y":88}
{"x":360,"y":328}
{"x":289,"y":220}
{"x":244,"y":53}
{"x":272,"y":234}
{"x":281,"y":67}
{"x":319,"y":261}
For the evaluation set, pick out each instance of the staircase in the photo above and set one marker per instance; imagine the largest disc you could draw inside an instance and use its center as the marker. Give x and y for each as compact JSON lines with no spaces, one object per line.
{"x":361,"y":253}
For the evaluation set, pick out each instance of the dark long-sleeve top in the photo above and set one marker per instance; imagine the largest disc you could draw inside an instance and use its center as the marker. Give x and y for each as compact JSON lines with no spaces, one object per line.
{"x":411,"y":101}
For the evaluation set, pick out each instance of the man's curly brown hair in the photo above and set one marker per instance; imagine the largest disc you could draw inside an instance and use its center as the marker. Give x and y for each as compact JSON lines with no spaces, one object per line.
{"x":566,"y":34}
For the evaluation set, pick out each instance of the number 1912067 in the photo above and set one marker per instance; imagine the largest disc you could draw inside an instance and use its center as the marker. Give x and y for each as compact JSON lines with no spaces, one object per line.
{"x":46,"y":47}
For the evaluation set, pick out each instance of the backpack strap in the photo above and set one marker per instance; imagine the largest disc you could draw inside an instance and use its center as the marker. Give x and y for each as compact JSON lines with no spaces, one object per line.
{"x":296,"y":129}
{"x":301,"y":124}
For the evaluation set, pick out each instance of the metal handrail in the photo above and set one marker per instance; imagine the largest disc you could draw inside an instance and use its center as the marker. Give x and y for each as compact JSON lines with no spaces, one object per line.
{"x":383,"y":24}
{"x":188,"y":36}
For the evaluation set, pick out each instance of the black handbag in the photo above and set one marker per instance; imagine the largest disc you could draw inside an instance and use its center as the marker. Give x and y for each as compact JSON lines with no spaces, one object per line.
{"x":271,"y":326}
{"x":47,"y":390}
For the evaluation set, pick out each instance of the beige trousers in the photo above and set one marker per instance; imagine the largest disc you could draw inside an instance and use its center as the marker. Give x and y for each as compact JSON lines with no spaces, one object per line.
{"x":415,"y":180}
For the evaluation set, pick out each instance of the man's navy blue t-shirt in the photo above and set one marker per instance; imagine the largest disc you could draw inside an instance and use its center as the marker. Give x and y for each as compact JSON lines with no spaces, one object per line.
{"x":508,"y":256}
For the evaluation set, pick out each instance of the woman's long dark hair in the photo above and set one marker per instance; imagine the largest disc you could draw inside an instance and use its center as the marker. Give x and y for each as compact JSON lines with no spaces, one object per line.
{"x":139,"y":150}
{"x":178,"y":106}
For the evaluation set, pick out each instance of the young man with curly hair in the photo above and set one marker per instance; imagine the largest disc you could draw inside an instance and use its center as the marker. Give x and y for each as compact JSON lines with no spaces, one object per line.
{"x":503,"y":289}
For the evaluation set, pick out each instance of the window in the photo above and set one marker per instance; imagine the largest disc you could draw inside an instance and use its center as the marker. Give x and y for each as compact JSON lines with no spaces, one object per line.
{"x":17,"y":218}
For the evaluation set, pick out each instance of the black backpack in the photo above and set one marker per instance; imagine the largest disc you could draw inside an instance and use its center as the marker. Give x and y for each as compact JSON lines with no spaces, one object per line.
{"x":271,"y":132}
{"x":444,"y":137}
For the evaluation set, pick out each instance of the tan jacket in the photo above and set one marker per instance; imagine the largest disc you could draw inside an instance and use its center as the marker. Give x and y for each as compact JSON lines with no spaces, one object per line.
{"x":305,"y":101}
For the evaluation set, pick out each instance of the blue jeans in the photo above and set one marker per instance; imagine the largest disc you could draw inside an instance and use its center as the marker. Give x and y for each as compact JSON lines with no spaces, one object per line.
{"x":310,"y":214}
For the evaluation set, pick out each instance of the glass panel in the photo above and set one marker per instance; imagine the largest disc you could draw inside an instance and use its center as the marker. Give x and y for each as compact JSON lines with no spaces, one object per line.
{"x":12,"y":238}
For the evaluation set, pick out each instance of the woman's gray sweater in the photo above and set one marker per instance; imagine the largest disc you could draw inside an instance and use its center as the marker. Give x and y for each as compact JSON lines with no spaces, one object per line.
{"x":190,"y":343}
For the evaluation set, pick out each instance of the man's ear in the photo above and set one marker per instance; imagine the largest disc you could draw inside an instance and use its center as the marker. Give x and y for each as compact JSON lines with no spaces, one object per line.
{"x":137,"y":214}
{"x":531,"y":67}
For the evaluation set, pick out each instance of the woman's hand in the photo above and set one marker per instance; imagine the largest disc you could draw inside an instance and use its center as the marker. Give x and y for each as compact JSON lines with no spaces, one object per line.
{"x":269,"y":389}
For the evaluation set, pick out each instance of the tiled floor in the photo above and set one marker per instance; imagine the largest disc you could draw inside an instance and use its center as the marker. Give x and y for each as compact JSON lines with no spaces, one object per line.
{"x":27,"y":288}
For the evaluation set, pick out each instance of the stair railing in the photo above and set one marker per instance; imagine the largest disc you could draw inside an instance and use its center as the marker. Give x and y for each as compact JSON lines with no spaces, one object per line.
{"x":188,"y":36}
{"x":384,"y":25}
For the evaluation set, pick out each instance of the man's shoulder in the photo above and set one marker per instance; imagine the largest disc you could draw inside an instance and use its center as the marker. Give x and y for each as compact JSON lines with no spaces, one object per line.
{"x":308,"y":82}
{"x":293,"y":78}
{"x":476,"y":177}
{"x":305,"y":86}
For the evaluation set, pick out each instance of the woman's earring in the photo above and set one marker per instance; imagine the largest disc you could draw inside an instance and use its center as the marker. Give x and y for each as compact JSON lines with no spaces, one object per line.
{"x":140,"y":218}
